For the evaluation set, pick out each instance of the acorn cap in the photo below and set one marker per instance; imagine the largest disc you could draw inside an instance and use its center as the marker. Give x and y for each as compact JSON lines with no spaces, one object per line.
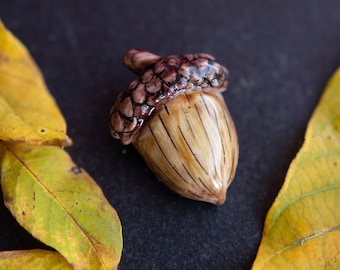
{"x":161,"y":79}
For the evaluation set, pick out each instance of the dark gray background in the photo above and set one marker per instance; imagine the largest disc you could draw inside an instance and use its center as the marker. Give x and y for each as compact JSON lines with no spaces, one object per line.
{"x":280,"y":54}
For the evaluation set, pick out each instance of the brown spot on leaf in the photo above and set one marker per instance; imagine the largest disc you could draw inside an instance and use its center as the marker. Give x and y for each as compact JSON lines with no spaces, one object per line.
{"x":7,"y":199}
{"x":3,"y":59}
{"x":76,"y":170}
{"x":336,"y":124}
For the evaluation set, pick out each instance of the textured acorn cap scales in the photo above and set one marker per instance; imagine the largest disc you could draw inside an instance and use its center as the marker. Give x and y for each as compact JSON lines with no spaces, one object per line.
{"x":177,"y":120}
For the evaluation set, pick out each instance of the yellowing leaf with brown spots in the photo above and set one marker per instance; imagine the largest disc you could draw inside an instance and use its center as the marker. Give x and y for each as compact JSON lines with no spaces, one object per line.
{"x":60,"y":204}
{"x":35,"y":259}
{"x":27,"y":110}
{"x":302,"y":228}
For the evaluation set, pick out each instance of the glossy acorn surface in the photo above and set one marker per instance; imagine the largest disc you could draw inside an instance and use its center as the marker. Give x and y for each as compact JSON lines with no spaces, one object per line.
{"x":177,"y":120}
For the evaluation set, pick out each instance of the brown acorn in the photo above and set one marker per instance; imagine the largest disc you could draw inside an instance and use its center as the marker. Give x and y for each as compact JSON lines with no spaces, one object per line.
{"x":176,"y":118}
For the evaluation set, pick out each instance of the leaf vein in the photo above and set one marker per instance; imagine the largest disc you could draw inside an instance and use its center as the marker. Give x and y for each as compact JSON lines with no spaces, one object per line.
{"x":35,"y":176}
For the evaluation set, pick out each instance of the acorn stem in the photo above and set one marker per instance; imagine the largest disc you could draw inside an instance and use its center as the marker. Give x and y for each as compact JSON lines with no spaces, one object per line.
{"x":139,"y":60}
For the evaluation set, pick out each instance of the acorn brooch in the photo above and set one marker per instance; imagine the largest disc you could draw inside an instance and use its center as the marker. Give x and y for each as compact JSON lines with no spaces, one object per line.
{"x":176,"y":118}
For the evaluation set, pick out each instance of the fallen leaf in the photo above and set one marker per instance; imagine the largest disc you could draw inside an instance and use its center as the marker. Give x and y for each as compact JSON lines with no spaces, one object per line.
{"x":302,"y":228}
{"x":28,"y":112}
{"x":60,"y":204}
{"x":35,"y":259}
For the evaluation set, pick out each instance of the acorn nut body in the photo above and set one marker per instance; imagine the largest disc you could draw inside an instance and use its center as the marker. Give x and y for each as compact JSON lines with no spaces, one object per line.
{"x":176,"y":118}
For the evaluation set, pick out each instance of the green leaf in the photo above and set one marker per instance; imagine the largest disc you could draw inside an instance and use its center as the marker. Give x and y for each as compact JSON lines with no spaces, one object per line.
{"x":28,"y":112}
{"x":34,"y":259}
{"x":302,"y":228}
{"x":60,"y":204}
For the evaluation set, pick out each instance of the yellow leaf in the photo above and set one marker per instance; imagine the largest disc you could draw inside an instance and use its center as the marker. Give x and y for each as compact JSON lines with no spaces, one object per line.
{"x":27,"y":110}
{"x":60,"y":204}
{"x":302,"y":228}
{"x":35,"y":259}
